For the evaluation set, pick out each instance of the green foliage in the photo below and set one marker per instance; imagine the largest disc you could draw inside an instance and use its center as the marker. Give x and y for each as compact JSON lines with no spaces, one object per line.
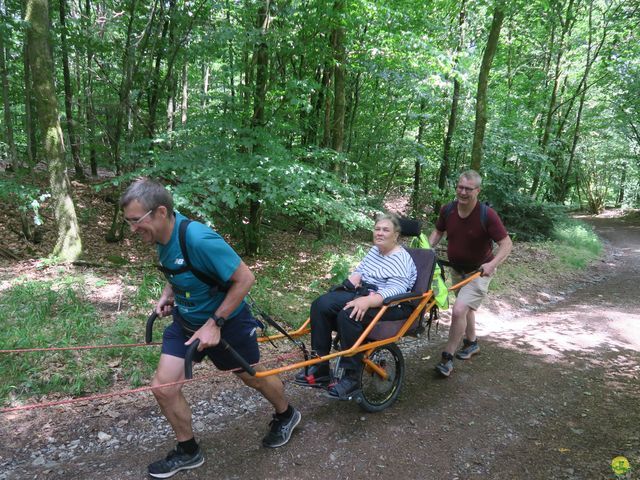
{"x":343,"y":264}
{"x":117,"y":260}
{"x":525,"y":218}
{"x":401,"y":62}
{"x":216,"y":177}
{"x":23,"y":196}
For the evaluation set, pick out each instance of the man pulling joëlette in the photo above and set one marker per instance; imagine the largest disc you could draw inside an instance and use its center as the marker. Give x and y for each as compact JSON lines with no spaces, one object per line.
{"x":201,"y":312}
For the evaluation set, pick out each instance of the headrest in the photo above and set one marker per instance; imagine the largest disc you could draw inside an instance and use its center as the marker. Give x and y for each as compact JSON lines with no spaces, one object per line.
{"x":410,"y":227}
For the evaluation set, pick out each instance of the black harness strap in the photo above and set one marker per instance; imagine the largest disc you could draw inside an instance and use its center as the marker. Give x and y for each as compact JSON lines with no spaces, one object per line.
{"x":213,"y":282}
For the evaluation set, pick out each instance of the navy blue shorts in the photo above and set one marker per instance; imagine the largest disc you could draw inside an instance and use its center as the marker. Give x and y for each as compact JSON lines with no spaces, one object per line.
{"x":240,"y":332}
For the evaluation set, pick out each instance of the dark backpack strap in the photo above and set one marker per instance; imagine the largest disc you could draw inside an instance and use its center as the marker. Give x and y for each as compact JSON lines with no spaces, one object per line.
{"x":483,"y":215}
{"x":182,"y":238}
{"x":210,"y":280}
{"x":448,"y":208}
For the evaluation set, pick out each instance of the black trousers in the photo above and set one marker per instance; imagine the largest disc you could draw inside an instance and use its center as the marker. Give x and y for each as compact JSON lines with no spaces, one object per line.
{"x":328,"y":315}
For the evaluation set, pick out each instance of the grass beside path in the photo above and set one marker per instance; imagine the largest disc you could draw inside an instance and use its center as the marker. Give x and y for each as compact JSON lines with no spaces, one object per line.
{"x":535,"y":266}
{"x":38,"y":313}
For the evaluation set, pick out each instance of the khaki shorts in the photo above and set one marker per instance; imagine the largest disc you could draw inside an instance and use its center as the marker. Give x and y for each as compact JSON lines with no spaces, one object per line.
{"x":474,"y":292}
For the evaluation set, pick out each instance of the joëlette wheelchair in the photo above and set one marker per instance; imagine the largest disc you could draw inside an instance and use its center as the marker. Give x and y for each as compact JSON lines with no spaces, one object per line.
{"x":383,"y":371}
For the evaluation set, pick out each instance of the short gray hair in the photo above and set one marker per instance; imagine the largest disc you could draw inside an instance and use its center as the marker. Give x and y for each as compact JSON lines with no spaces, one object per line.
{"x":392,"y":217}
{"x":150,"y":193}
{"x":473,"y":176}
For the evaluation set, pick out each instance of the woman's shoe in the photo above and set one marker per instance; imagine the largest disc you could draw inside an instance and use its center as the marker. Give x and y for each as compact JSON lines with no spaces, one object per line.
{"x":316,"y":376}
{"x":345,"y":389}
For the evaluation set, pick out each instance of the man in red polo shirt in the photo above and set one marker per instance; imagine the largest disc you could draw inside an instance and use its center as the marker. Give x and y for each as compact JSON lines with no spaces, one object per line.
{"x":471,"y":230}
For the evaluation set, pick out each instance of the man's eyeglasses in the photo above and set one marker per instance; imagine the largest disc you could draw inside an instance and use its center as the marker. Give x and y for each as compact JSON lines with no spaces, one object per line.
{"x":465,"y":189}
{"x":136,"y":221}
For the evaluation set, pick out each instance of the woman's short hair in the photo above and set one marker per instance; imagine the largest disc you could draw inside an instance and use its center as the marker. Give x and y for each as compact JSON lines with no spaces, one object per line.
{"x":150,"y":193}
{"x":392,"y":217}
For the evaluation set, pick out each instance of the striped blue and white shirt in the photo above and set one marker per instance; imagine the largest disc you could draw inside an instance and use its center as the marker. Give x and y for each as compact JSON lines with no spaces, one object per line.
{"x":392,"y":274}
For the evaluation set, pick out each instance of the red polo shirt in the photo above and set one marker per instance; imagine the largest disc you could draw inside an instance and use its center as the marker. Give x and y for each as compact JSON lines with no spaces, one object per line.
{"x":469,"y":245}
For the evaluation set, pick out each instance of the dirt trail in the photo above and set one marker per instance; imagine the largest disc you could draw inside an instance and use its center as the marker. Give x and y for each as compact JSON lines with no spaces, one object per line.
{"x":553,"y":395}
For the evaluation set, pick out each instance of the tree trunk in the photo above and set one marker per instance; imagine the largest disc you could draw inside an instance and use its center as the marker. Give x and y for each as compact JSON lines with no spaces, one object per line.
{"x":567,"y":23}
{"x":339,"y":56}
{"x":184,"y":104}
{"x":314,"y":123}
{"x":154,"y":94}
{"x":417,"y":172}
{"x":171,"y":107}
{"x":8,"y":121}
{"x":30,"y":131}
{"x":68,"y":245}
{"x":131,"y":52}
{"x":89,"y":109}
{"x":206,"y":73}
{"x":252,"y":237}
{"x":453,"y":112}
{"x":262,"y":67}
{"x":128,"y":65}
{"x":355,"y":101}
{"x":68,"y":95}
{"x":231,"y":56}
{"x":481,"y":96}
{"x":326,"y":132}
{"x":623,"y":180}
{"x":563,"y":177}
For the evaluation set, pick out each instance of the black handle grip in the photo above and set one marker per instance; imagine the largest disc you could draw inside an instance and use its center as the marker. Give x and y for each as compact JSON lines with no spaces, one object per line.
{"x":243,"y":363}
{"x":188,"y":359}
{"x":193,"y":348}
{"x":149,"y":332}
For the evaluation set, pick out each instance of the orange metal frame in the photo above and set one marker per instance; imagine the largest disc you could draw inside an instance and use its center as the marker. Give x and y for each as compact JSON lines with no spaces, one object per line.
{"x":426,"y":304}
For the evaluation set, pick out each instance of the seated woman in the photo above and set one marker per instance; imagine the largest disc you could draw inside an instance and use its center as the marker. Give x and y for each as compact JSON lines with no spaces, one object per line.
{"x":386,"y":270}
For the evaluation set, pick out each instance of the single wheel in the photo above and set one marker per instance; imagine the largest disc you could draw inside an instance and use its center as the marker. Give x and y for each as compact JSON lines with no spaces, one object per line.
{"x":378,"y":393}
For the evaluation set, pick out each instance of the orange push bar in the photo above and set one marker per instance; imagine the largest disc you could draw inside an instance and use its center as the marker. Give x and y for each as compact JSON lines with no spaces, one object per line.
{"x":476,"y":274}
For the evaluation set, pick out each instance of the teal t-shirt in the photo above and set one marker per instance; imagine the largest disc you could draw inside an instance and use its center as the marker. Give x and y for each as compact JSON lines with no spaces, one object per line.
{"x":208,"y":253}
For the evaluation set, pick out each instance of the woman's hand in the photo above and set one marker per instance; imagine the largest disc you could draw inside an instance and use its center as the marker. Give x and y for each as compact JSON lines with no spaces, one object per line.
{"x":355,"y":279}
{"x":360,"y":305}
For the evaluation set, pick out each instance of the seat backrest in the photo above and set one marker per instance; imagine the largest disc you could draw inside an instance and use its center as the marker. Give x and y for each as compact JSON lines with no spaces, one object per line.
{"x":410,"y":227}
{"x":425,"y":260}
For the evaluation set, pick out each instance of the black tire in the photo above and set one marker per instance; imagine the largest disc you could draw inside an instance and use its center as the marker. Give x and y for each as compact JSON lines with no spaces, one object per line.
{"x":376,"y":393}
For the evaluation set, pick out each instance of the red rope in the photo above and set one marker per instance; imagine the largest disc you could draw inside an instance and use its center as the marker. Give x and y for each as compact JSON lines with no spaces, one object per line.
{"x":80,"y":347}
{"x":34,"y":406}
{"x":120,"y":393}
